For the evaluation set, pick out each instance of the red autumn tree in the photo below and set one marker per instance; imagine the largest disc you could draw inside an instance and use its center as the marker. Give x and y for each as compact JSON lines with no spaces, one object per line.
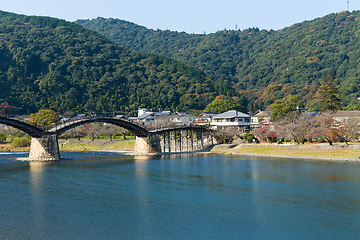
{"x":6,"y":109}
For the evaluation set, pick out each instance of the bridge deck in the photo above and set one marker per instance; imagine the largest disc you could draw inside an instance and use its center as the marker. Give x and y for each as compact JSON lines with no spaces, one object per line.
{"x":136,"y":128}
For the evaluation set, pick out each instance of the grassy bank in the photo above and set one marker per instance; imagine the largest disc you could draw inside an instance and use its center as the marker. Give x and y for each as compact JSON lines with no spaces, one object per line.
{"x":311,"y":151}
{"x":96,"y":145}
{"x":81,"y":145}
{"x":6,"y":147}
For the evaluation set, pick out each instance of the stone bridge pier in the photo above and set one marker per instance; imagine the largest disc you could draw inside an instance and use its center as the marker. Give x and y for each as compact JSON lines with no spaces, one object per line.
{"x":45,"y":148}
{"x":149,"y":145}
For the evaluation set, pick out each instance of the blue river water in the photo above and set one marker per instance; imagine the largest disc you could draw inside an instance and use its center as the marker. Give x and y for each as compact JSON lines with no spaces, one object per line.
{"x":112,"y":196}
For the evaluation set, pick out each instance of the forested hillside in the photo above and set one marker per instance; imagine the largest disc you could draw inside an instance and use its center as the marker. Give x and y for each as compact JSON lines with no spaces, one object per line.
{"x":52,"y":63}
{"x":263,"y":65}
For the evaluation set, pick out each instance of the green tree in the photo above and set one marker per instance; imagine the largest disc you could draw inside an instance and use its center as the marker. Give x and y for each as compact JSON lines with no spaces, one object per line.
{"x":329,"y":95}
{"x":221,"y":105}
{"x":44,"y":118}
{"x":2,"y":137}
{"x":24,"y":141}
{"x":282,"y":107}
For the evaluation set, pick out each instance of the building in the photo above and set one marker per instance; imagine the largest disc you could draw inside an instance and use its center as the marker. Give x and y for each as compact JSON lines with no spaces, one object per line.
{"x":231,"y":118}
{"x":260,"y":118}
{"x":205,"y":118}
{"x":148,"y":118}
{"x":184,"y":118}
{"x":301,"y":109}
{"x":122,"y":117}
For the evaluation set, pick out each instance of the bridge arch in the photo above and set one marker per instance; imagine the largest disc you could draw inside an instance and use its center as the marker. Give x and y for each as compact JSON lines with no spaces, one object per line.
{"x":25,"y":127}
{"x":137,"y":130}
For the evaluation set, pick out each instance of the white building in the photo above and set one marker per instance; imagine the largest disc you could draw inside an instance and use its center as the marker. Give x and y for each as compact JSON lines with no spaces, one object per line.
{"x":301,"y":109}
{"x":184,"y":118}
{"x":232,"y":118}
{"x":260,"y":118}
{"x":205,"y":118}
{"x":148,"y":118}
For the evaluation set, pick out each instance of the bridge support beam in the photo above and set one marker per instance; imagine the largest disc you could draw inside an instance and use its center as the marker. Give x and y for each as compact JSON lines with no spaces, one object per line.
{"x":149,"y":145}
{"x":45,"y":148}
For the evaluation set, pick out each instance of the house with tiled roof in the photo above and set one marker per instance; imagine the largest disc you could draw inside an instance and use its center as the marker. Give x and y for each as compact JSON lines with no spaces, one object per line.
{"x":147,"y":118}
{"x":260,"y":118}
{"x":205,"y":118}
{"x":231,"y":118}
{"x":184,"y":118}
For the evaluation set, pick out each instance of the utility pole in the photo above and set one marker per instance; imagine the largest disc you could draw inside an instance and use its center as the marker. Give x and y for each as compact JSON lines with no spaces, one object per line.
{"x":348,"y":5}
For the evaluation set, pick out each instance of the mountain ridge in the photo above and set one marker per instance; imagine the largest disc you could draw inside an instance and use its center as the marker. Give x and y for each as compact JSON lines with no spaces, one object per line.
{"x":52,"y":63}
{"x":264,"y":65}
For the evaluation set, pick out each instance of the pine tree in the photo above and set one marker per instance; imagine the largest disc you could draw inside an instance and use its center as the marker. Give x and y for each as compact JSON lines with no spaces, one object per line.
{"x":329,"y":95}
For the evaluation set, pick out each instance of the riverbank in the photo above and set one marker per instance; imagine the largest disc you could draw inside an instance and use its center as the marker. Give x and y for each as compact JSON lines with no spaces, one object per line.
{"x":96,"y":145}
{"x":311,"y":151}
{"x":6,"y":147}
{"x":82,"y":145}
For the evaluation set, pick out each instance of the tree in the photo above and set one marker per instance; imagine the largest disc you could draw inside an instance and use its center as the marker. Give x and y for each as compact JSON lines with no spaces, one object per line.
{"x":92,"y":130}
{"x":226,"y":134}
{"x":329,"y":95}
{"x":348,"y":129}
{"x":282,"y":107}
{"x":74,"y":133}
{"x":222,"y":105}
{"x":44,"y":118}
{"x":2,"y":137}
{"x":266,"y":133}
{"x":323,"y":126}
{"x":295,"y":126}
{"x":6,"y":109}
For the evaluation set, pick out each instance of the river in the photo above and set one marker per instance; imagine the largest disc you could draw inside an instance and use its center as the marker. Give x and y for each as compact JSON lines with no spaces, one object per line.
{"x":112,"y":196}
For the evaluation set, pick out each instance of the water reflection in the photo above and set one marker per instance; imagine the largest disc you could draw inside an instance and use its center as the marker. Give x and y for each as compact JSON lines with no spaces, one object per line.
{"x":143,"y":158}
{"x":142,"y":194}
{"x":38,"y":207}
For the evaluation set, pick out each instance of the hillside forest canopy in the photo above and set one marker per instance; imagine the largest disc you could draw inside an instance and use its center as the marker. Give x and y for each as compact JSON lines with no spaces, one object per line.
{"x":262,"y":65}
{"x":47,"y":63}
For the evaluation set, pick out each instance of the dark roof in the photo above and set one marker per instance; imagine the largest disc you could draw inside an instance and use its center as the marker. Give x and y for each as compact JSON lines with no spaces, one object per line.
{"x":182,"y":114}
{"x":208,"y":114}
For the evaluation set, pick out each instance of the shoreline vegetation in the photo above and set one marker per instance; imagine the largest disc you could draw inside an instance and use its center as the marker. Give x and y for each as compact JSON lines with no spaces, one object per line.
{"x":310,"y":151}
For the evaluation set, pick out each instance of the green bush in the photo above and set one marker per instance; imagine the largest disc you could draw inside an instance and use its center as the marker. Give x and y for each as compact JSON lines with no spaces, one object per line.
{"x":320,"y":140}
{"x":272,"y":140}
{"x":250,"y":138}
{"x":21,"y":142}
{"x":2,"y":137}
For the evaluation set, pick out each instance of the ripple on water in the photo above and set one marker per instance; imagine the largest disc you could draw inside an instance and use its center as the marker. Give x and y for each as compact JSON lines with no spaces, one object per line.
{"x":111,"y":196}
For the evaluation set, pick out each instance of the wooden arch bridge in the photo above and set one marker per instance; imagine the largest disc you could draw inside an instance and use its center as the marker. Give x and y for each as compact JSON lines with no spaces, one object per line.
{"x":44,"y":143}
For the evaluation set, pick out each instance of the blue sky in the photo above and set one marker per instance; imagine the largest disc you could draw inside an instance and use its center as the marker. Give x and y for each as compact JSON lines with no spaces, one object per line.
{"x":192,"y":16}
